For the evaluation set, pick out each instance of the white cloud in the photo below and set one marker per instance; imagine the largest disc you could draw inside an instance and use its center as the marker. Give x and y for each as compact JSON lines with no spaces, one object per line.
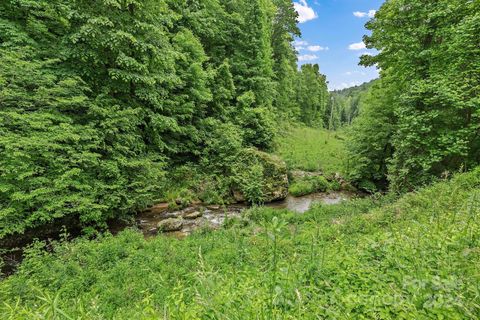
{"x":317,"y":48}
{"x":301,"y":45}
{"x":305,"y":13}
{"x":357,"y":46}
{"x":361,"y":14}
{"x":307,"y":57}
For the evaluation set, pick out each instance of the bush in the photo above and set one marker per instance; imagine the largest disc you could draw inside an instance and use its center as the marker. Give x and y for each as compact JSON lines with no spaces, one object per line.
{"x":301,"y":188}
{"x":368,"y":186}
{"x":310,"y":185}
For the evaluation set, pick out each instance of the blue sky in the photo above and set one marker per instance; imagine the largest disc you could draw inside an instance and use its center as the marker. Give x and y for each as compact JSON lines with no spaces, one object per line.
{"x":332,"y":32}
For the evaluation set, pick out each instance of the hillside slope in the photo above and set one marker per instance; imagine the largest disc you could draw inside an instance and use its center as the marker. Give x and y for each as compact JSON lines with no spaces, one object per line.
{"x":413,"y":258}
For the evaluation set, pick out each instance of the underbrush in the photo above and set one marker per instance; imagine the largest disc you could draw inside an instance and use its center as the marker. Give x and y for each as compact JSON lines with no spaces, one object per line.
{"x":311,"y":185}
{"x":412,"y":258}
{"x":249,"y":175}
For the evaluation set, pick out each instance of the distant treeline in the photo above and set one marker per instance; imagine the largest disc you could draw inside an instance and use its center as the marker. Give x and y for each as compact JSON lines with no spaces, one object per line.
{"x":344,"y":105}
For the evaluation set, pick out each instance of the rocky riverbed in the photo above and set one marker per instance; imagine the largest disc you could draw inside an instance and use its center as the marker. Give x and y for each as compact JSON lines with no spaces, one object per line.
{"x":159,"y":219}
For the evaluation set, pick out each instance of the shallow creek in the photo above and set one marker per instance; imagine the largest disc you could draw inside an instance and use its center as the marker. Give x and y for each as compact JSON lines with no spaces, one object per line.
{"x":213,"y":216}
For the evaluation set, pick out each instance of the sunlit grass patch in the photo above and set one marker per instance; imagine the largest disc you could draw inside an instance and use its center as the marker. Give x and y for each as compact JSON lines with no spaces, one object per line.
{"x":313,"y":150}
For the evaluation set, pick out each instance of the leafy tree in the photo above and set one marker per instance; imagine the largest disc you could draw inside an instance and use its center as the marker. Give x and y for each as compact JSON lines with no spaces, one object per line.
{"x":312,"y":95}
{"x":428,"y":55}
{"x":370,"y":144}
{"x":285,"y":59}
{"x":345,"y":104}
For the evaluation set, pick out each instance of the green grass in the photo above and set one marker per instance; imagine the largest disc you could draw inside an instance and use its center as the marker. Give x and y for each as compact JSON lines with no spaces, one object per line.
{"x":374,"y":258}
{"x":312,"y":150}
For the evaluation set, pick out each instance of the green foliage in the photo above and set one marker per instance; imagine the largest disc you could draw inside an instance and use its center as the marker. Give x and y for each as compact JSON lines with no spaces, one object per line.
{"x":234,"y":175}
{"x":301,"y":188}
{"x":51,"y":164}
{"x":285,"y":60}
{"x":309,"y":185}
{"x":101,"y":102}
{"x":222,"y":142}
{"x":414,"y":258}
{"x":312,"y":150}
{"x":312,"y":95}
{"x":258,"y":127}
{"x":258,"y":176}
{"x":344,"y":105}
{"x":249,"y":177}
{"x":429,"y":69}
{"x":369,"y":140}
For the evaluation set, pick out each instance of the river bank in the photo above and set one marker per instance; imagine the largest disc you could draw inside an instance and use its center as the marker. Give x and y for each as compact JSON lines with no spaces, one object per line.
{"x":160,"y":219}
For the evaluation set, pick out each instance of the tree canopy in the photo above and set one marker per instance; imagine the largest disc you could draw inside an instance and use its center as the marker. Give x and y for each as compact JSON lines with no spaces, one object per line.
{"x":99,"y":101}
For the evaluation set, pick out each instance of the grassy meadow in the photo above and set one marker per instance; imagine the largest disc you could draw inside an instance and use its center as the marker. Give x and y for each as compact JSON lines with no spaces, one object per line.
{"x":312,"y":149}
{"x":416,"y":257}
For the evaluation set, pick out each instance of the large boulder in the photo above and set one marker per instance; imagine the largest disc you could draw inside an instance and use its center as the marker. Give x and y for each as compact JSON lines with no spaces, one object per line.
{"x":260,"y":177}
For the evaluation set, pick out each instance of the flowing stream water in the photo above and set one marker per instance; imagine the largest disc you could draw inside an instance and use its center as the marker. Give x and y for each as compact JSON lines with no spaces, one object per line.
{"x":189,"y":219}
{"x":213,"y":216}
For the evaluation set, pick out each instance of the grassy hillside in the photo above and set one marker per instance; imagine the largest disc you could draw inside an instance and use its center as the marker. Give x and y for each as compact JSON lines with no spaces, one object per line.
{"x":312,"y":150}
{"x":414,"y":258}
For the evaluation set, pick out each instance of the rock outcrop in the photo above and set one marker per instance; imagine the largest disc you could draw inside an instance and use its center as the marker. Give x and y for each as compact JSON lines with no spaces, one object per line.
{"x":263,"y":172}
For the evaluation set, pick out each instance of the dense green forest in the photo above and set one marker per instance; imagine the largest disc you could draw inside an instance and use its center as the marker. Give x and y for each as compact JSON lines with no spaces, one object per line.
{"x":344,"y":105}
{"x":99,"y":103}
{"x":110,"y":109}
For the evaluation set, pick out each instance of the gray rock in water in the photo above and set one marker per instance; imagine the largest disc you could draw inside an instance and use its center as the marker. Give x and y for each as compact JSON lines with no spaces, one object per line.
{"x":169,"y":225}
{"x":193,"y":215}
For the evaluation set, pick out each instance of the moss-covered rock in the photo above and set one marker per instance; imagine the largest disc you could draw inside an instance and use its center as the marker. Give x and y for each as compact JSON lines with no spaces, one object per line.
{"x":259,"y":177}
{"x":169,"y":225}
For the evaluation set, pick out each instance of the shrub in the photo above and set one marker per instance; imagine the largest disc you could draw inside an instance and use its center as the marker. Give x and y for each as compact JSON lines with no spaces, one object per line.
{"x":259,"y":176}
{"x":301,"y":188}
{"x":310,"y":185}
